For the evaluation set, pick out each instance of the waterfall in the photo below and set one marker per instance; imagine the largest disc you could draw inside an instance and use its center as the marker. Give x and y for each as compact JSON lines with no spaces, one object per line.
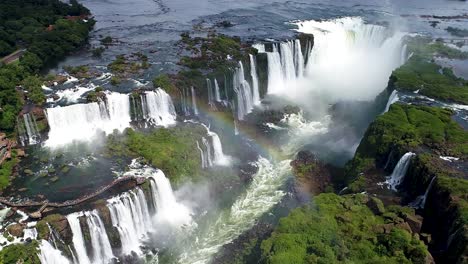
{"x":275,"y":75}
{"x":81,"y":122}
{"x":130,"y":215}
{"x":208,"y":157}
{"x":399,"y":171}
{"x":285,"y":65}
{"x":216,"y":155}
{"x":391,"y":100}
{"x":50,"y":255}
{"x":243,"y":91}
{"x":350,"y":60}
{"x":78,"y":238}
{"x":259,"y":197}
{"x":31,"y":128}
{"x":210,"y":93}
{"x":160,"y":110}
{"x":102,"y":251}
{"x":202,"y":156}
{"x":253,"y":74}
{"x":194,"y":101}
{"x":420,"y":201}
{"x":217,"y":94}
{"x":168,"y":210}
{"x":298,"y":58}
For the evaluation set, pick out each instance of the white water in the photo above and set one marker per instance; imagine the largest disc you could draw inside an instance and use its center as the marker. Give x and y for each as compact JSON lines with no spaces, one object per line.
{"x":207,"y":153}
{"x":261,"y":195}
{"x":50,"y":255}
{"x":245,"y":101}
{"x":253,"y":74}
{"x":215,"y":149}
{"x":159,"y":108}
{"x":82,"y":122}
{"x":78,"y":238}
{"x":209,"y":88}
{"x":202,"y":156}
{"x":31,"y":128}
{"x":217,"y":94}
{"x":130,"y":215}
{"x":102,"y":251}
{"x":350,"y":60}
{"x":194,"y":101}
{"x":420,"y":201}
{"x":391,"y":100}
{"x":285,"y":66}
{"x":168,"y":210}
{"x":399,"y":171}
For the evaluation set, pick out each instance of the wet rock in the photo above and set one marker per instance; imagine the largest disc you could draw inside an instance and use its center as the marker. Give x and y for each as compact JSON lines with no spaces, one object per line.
{"x":28,"y":172}
{"x":22,"y":189}
{"x":426,"y":238}
{"x":16,"y":230}
{"x":312,"y":175}
{"x":415,"y":222}
{"x":376,"y":206}
{"x":54,"y":179}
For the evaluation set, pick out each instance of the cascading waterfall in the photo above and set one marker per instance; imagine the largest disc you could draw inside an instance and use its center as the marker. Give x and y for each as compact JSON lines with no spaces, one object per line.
{"x":209,"y":88}
{"x":362,"y":55}
{"x":253,"y":74}
{"x":81,"y":122}
{"x":216,"y":155}
{"x":168,"y":210}
{"x":50,"y":255}
{"x":391,"y":100}
{"x":78,"y":238}
{"x":202,"y":156}
{"x":243,"y":91}
{"x":31,"y":128}
{"x":420,"y":201}
{"x":102,"y":251}
{"x":194,"y":101}
{"x":130,"y":215}
{"x":285,"y":65}
{"x":217,"y":94}
{"x":260,"y":196}
{"x":399,"y":171}
{"x":160,"y":110}
{"x":208,"y":157}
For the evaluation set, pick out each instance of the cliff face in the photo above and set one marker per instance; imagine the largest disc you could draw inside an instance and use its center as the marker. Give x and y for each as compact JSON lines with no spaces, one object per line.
{"x":433,"y":136}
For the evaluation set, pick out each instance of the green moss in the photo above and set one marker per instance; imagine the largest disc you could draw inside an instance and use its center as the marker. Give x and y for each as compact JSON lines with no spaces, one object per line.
{"x":339,"y":229}
{"x":42,"y":228}
{"x":164,"y":82}
{"x":431,"y":80}
{"x":20,"y":253}
{"x":171,"y":150}
{"x":7,"y":169}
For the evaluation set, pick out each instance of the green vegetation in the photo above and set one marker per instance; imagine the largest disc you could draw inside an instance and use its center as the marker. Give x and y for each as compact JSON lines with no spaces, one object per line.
{"x":426,"y":48}
{"x":97,"y":52}
{"x":6,"y":170}
{"x":171,"y":150}
{"x":33,"y":86}
{"x":164,"y":82}
{"x":106,"y":41}
{"x":48,"y":31}
{"x":20,"y":253}
{"x":431,"y":80}
{"x":129,"y":64}
{"x":343,"y":229}
{"x":408,"y":127}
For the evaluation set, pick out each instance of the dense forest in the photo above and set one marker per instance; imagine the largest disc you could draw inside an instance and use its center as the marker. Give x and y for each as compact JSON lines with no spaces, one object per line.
{"x":44,"y":31}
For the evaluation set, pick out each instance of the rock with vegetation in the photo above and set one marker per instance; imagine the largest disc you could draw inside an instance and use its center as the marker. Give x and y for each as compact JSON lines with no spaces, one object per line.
{"x":58,"y":223}
{"x":312,"y":175}
{"x":26,"y":253}
{"x":343,"y":229}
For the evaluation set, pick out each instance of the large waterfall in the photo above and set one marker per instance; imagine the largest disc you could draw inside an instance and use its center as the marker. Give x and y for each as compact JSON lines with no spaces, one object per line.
{"x":213,"y":152}
{"x":160,"y":109}
{"x":255,"y":85}
{"x":350,"y":60}
{"x":50,"y":255}
{"x":194,"y":101}
{"x":399,"y":171}
{"x":82,"y":122}
{"x":285,"y":65}
{"x":391,"y":100}
{"x":245,"y":100}
{"x":134,"y":215}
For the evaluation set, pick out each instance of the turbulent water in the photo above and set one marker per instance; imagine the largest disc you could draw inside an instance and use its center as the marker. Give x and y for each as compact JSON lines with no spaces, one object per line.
{"x":261,"y":195}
